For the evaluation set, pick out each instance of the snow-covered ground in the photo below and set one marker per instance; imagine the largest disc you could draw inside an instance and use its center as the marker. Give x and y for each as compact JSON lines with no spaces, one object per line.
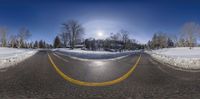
{"x":83,"y":54}
{"x":11,"y":56}
{"x":181,"y":57}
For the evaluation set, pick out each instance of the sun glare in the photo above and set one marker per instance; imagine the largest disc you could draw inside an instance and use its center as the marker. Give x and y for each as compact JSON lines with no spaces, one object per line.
{"x":99,"y":34}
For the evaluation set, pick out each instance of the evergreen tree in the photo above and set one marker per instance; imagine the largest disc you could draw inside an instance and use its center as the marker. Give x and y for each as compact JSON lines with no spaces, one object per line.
{"x":57,"y":43}
{"x":41,"y":44}
{"x":36,"y":44}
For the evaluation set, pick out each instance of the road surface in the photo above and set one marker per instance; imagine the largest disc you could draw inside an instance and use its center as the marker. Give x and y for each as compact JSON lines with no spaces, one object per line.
{"x":37,"y":78}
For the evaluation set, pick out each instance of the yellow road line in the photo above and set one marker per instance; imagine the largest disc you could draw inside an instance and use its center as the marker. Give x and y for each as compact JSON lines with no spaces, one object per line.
{"x":83,"y":83}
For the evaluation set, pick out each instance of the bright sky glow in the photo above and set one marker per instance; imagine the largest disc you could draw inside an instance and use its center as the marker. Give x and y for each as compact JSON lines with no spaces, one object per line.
{"x":99,"y":34}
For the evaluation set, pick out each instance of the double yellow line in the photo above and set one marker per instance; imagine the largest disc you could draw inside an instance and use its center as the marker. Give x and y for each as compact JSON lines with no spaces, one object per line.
{"x":83,"y":83}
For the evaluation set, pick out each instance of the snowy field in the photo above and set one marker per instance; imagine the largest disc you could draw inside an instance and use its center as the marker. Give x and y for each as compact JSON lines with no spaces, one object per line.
{"x":11,"y":56}
{"x":182,"y":57}
{"x":82,"y":54}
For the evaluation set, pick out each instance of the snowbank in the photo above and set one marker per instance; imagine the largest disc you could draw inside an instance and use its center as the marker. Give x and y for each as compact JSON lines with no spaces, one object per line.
{"x":182,"y":57}
{"x":77,"y":53}
{"x":11,"y":56}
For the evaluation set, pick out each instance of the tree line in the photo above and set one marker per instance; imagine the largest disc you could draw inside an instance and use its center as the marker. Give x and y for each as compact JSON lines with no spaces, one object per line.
{"x":188,"y":36}
{"x":119,"y":41}
{"x":72,"y":32}
{"x":20,"y":40}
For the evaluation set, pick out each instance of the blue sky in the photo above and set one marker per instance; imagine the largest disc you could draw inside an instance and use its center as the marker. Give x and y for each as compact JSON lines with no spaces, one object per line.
{"x":141,"y":18}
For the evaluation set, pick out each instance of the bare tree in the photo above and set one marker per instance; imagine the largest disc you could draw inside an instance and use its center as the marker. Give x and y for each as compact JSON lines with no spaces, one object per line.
{"x":125,"y":38}
{"x":115,"y":36}
{"x":74,"y":31}
{"x":65,"y":38}
{"x":174,"y":39}
{"x":163,"y":39}
{"x":13,"y":40}
{"x":189,"y":32}
{"x":23,"y":35}
{"x":160,"y":40}
{"x":3,"y":33}
{"x":115,"y":39}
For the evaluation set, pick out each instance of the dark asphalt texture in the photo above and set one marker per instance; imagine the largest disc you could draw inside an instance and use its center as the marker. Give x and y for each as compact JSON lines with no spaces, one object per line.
{"x":36,"y":78}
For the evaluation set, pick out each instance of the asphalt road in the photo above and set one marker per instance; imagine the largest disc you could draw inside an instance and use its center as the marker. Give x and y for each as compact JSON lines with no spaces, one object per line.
{"x":37,"y":78}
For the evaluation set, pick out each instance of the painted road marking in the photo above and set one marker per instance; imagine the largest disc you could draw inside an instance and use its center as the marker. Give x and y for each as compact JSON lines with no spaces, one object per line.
{"x":83,"y":83}
{"x":60,"y":58}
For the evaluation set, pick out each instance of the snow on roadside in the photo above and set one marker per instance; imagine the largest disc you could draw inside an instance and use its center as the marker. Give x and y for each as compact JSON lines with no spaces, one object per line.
{"x":11,"y":56}
{"x":87,"y":55}
{"x":181,"y":57}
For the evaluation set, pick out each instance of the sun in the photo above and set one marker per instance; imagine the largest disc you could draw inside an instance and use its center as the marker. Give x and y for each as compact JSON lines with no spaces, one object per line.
{"x":99,"y":34}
